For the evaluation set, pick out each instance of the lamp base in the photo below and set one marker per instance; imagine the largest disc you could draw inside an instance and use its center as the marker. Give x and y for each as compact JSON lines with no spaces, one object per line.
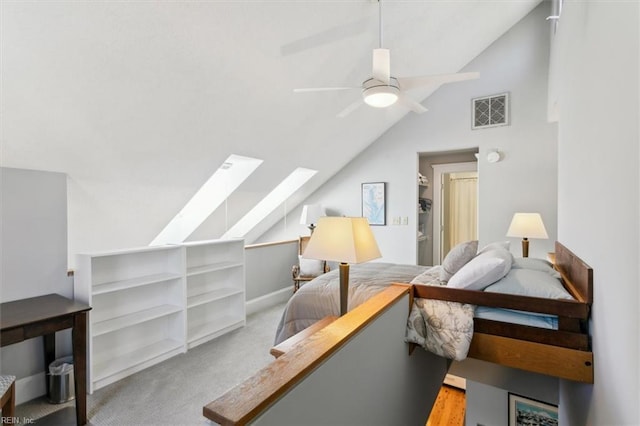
{"x":344,"y":288}
{"x":525,"y":247}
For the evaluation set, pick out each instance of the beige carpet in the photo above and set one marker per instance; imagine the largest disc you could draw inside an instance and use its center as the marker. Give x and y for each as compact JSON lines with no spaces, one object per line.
{"x":174,"y":391}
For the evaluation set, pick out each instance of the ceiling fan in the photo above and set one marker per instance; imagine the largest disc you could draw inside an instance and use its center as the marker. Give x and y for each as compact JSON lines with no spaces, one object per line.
{"x":382,"y":89}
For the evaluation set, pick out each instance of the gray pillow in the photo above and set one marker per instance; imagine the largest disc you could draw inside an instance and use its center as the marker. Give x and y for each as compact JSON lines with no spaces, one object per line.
{"x":535,"y":264}
{"x":530,"y":282}
{"x":459,"y":256}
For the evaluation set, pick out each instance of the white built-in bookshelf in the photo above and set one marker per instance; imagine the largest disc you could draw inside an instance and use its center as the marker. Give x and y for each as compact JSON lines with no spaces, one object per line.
{"x":215,"y":289}
{"x":152,"y":303}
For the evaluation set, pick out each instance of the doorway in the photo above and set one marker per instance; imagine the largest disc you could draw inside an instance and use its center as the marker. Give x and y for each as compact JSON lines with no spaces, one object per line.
{"x":459,"y":209}
{"x":439,"y":172}
{"x":455,"y":206}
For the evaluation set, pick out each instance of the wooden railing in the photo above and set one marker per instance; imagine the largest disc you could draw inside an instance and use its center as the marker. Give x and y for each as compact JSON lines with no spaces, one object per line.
{"x":301,"y":373}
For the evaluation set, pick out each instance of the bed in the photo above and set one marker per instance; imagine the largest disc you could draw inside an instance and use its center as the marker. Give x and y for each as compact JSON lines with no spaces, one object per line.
{"x":519,"y":329}
{"x":320,"y":297}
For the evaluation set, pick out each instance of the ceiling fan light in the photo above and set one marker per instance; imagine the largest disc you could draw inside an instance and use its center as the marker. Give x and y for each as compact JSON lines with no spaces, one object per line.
{"x":381,"y":96}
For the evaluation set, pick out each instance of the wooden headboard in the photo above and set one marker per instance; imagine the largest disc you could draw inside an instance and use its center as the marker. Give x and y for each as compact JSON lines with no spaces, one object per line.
{"x":577,"y":275}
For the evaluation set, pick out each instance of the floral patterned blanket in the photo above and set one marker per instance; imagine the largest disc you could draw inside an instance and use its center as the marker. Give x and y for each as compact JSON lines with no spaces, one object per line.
{"x":443,"y":328}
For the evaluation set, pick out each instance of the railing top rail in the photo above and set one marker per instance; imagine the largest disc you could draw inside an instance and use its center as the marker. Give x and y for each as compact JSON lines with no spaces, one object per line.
{"x":271,"y":243}
{"x":248,"y":400}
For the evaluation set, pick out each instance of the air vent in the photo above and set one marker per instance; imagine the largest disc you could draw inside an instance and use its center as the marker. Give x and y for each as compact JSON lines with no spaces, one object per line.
{"x":490,"y":111}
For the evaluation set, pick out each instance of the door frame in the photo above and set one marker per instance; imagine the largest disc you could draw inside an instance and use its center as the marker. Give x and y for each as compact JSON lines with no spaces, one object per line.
{"x":438,"y":171}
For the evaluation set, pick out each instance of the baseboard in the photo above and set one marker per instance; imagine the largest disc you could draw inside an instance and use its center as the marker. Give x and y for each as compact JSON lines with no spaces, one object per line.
{"x":30,"y":387}
{"x":268,"y":300}
{"x":455,"y":381}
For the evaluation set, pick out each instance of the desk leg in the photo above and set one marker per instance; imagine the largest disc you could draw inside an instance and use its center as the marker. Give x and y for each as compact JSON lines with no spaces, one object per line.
{"x":49,"y":356}
{"x":80,"y":365}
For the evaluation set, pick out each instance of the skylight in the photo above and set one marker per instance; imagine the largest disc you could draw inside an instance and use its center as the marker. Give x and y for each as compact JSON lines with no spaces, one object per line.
{"x":226,"y":179}
{"x":268,"y":204}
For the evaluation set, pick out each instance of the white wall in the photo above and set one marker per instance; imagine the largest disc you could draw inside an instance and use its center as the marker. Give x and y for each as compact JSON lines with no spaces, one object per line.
{"x":596,"y":80}
{"x":33,"y":258}
{"x":524,"y":181}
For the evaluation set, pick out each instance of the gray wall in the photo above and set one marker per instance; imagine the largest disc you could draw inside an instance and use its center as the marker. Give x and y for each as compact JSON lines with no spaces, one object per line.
{"x":268,"y":269}
{"x":595,"y":97}
{"x":525,"y":180}
{"x":488,"y":386}
{"x":485,"y":405}
{"x":371,"y":380}
{"x":489,"y":406}
{"x":34,"y":254}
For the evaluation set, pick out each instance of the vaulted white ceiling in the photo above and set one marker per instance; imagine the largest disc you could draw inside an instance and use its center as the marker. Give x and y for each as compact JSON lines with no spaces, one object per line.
{"x":140,"y":102}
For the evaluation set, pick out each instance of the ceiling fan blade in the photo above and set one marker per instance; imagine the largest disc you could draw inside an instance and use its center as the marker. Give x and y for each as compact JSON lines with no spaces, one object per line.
{"x":348,"y":110}
{"x":382,"y":65}
{"x":414,"y":106}
{"x":409,"y":83}
{"x":332,"y":35}
{"x":323,"y":89}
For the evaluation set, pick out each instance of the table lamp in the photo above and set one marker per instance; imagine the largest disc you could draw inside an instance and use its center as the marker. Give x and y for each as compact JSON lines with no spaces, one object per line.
{"x":345,"y":240}
{"x":310,"y":215}
{"x":527,"y":225}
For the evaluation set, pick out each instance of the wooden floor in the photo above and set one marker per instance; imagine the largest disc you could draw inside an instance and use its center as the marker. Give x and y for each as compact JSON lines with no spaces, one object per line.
{"x":449,"y":408}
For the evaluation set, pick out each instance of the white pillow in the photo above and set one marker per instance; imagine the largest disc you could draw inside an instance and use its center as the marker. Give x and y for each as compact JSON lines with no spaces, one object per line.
{"x":483,"y":270}
{"x":459,"y":256}
{"x":310,"y":267}
{"x":498,"y":244}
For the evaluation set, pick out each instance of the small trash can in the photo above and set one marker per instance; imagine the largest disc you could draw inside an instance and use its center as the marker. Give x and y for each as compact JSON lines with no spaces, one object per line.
{"x":61,"y":384}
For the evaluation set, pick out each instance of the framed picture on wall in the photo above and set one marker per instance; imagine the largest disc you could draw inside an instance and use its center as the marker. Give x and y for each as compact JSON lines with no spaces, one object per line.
{"x":526,"y":411}
{"x":374,"y":203}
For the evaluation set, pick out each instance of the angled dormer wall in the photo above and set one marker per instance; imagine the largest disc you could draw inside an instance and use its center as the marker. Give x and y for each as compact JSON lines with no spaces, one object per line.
{"x":525,"y":180}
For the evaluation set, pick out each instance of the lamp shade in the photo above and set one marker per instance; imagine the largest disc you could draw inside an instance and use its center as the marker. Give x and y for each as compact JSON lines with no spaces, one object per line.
{"x":311,"y":213}
{"x":342,"y":239}
{"x":527,"y":225}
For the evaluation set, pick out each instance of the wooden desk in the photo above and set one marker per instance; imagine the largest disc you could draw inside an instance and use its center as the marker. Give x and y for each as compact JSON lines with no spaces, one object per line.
{"x":43,"y":316}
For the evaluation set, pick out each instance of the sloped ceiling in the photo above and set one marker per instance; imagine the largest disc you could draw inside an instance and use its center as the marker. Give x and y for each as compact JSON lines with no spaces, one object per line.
{"x":140,"y":102}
